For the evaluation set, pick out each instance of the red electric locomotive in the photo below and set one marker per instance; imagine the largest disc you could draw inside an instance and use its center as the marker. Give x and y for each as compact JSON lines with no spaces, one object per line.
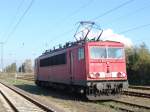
{"x":90,"y":66}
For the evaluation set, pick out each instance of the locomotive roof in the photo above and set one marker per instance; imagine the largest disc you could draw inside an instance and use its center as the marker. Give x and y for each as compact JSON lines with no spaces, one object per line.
{"x":73,"y":44}
{"x":107,"y":43}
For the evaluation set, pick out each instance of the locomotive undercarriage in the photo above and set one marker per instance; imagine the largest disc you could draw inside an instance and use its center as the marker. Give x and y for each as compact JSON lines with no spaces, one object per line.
{"x":105,"y":90}
{"x":93,"y":90}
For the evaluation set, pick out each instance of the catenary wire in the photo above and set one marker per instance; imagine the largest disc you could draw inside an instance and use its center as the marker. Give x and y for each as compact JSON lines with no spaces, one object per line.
{"x":14,"y":18}
{"x":71,"y":15}
{"x":132,"y":29}
{"x":128,"y":14}
{"x":113,"y":9}
{"x":135,"y":28}
{"x":19,"y":21}
{"x":77,"y":11}
{"x":107,"y":12}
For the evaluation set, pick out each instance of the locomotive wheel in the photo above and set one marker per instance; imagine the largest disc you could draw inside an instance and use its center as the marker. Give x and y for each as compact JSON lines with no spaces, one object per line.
{"x":38,"y":83}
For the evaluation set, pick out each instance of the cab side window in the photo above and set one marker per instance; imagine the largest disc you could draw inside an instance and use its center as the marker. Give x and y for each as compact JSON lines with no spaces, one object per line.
{"x":81,"y":53}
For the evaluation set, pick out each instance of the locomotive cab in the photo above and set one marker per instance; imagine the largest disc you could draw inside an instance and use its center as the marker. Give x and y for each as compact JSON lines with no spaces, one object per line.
{"x":105,"y":69}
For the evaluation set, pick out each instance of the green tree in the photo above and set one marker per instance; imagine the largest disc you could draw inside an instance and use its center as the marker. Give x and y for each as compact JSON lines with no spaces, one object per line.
{"x":138,"y":65}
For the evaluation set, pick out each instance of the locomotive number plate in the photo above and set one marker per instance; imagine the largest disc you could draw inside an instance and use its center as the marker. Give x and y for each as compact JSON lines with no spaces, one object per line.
{"x":108,"y":75}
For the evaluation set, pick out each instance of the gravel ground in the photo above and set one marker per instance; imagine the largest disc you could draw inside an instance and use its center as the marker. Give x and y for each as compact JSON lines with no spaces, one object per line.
{"x":20,"y":103}
{"x":77,"y":106}
{"x":4,"y":107}
{"x":135,"y":100}
{"x":60,"y":99}
{"x":131,"y":108}
{"x":64,"y":100}
{"x":69,"y":104}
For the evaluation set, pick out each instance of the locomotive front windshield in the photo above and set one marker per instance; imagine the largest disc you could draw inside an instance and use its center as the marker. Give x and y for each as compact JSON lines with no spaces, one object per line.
{"x":97,"y":52}
{"x":115,"y":52}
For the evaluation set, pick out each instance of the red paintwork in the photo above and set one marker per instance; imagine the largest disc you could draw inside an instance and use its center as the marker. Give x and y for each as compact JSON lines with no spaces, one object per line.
{"x":100,"y":65}
{"x":81,"y":69}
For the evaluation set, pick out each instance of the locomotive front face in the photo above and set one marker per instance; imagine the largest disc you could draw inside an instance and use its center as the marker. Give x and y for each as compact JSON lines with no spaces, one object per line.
{"x":106,"y":67}
{"x":106,"y":63}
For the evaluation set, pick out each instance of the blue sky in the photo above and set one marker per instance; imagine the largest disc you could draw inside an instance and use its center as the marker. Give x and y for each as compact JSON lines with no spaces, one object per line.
{"x":49,"y":23}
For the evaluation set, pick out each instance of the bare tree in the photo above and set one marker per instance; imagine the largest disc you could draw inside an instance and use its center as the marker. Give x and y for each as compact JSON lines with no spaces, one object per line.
{"x":26,"y":67}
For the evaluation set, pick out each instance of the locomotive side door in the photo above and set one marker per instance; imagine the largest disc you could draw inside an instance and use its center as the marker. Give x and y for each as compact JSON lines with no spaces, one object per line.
{"x":77,"y":66}
{"x":71,"y":67}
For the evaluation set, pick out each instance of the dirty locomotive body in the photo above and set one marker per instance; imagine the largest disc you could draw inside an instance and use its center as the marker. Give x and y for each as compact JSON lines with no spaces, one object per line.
{"x":94,"y":68}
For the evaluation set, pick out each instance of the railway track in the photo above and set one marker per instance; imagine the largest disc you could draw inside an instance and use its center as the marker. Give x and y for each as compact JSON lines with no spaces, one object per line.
{"x":127,"y":105}
{"x":26,"y":77}
{"x":137,"y":94}
{"x":121,"y":108}
{"x":21,"y":102}
{"x":132,"y":104}
{"x":125,"y":92}
{"x":5,"y":101}
{"x":140,"y":87}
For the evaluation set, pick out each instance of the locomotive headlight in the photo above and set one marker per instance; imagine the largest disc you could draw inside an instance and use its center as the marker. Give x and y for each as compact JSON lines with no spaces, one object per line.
{"x":92,"y":75}
{"x":97,"y":75}
{"x":118,"y":74}
{"x":121,"y":74}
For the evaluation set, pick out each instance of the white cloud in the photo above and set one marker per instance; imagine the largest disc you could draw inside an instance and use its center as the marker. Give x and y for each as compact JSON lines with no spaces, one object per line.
{"x":108,"y":34}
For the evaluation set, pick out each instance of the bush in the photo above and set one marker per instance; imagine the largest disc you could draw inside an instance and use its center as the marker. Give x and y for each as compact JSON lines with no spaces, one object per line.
{"x":138,"y":65}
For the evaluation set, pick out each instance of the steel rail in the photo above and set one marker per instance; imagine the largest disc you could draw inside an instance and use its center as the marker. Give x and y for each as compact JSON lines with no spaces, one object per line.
{"x":131,"y":104}
{"x":9,"y":102}
{"x":122,"y":109}
{"x":34,"y":101}
{"x":137,"y":94}
{"x":139,"y":87}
